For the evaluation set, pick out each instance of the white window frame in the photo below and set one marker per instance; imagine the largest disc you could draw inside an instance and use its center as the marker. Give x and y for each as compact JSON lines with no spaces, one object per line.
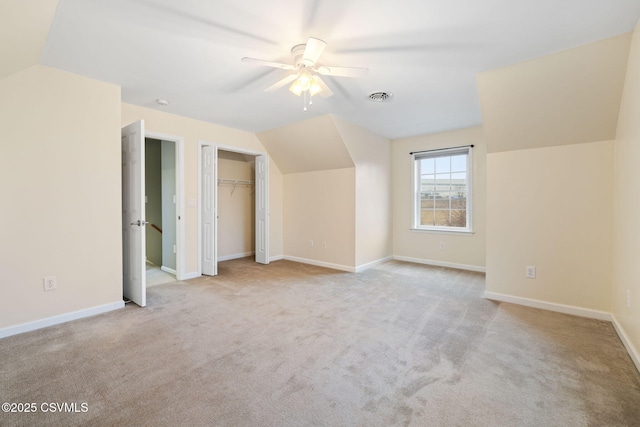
{"x":415,"y":168}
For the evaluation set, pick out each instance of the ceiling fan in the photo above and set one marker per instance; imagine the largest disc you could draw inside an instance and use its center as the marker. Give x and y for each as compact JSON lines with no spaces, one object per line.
{"x":305,"y":79}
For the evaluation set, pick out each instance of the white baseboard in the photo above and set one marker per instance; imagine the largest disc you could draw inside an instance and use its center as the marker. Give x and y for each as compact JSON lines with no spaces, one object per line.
{"x":368,"y":265}
{"x":235,"y":256}
{"x":371,"y":264}
{"x":576,"y":311}
{"x":276,"y":258}
{"x":169,"y":270}
{"x":477,"y":268}
{"x":560,"y":308}
{"x":321,"y":263}
{"x":192,"y":275}
{"x":633,"y":352}
{"x":61,"y":318}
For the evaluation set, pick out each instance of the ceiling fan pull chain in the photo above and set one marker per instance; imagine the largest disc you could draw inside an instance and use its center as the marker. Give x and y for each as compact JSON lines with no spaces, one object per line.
{"x":304,"y":99}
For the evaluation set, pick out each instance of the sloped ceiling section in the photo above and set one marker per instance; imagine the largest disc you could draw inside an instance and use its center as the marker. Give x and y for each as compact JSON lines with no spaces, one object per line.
{"x":23,"y":33}
{"x":310,"y":145}
{"x":565,"y":98}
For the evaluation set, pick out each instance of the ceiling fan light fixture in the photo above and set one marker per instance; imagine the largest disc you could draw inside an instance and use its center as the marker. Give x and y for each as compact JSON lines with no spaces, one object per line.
{"x":295,"y":88}
{"x":314,"y":86}
{"x":305,"y":83}
{"x":306,"y":78}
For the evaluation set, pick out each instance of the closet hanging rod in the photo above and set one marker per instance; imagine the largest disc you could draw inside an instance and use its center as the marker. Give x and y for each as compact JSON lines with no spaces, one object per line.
{"x":235,"y":181}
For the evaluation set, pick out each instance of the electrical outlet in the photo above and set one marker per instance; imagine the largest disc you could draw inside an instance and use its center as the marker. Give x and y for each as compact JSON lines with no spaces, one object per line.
{"x":530,"y":272}
{"x":628,"y":298}
{"x":442,"y":246}
{"x":175,"y":250}
{"x":310,"y":243}
{"x":324,"y":245}
{"x":50,"y":283}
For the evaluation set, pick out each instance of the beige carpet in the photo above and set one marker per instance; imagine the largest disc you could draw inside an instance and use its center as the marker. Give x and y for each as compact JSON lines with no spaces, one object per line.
{"x":296,"y":345}
{"x":156,"y":276}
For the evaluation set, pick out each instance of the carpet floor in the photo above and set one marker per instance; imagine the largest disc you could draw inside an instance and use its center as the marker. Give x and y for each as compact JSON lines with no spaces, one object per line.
{"x":290,"y":344}
{"x":156,"y":276}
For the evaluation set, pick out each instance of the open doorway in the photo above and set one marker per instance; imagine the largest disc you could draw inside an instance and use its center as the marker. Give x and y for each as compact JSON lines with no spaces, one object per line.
{"x":234,"y":195}
{"x":134,"y":223}
{"x":236,"y":205}
{"x":161,"y":213}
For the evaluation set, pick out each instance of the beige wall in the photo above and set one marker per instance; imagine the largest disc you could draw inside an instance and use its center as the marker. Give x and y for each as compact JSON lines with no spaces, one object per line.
{"x":568,"y":97}
{"x":61,"y":196}
{"x":320,"y":206}
{"x":551,"y":208}
{"x":23,"y":33}
{"x":236,"y":207}
{"x":626,"y":274}
{"x":193,"y":131}
{"x":326,"y":199}
{"x":372,"y":155}
{"x":463,"y":250}
{"x":309,"y":145}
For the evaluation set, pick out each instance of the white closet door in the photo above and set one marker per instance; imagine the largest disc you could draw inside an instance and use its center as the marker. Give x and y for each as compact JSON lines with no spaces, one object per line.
{"x":208,"y":212}
{"x":262,"y":209}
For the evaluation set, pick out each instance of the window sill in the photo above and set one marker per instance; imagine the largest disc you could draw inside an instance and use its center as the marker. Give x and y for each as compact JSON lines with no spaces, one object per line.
{"x":442,"y":231}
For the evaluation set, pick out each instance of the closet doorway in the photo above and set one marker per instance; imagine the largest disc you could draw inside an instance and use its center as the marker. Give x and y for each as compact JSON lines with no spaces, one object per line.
{"x":233,"y":206}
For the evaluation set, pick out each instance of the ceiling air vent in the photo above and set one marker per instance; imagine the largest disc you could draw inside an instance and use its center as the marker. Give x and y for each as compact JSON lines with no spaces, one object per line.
{"x":380,"y":96}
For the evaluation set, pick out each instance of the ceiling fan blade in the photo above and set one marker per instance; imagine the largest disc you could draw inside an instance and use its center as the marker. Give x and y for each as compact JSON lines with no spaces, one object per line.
{"x":312,"y":51}
{"x":281,"y":83}
{"x":325,"y":92}
{"x":268,"y":63}
{"x":190,"y":22}
{"x":343,"y":71}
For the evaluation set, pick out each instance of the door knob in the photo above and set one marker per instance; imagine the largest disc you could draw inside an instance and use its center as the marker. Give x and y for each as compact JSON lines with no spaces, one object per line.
{"x":140,"y":223}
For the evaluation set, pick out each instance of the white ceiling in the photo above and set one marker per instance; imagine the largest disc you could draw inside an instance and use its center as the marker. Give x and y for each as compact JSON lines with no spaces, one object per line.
{"x":426,"y":52}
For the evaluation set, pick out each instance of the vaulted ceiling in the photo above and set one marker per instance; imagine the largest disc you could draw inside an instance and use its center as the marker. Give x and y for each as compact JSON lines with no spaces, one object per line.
{"x":23,"y":33}
{"x":427,"y":53}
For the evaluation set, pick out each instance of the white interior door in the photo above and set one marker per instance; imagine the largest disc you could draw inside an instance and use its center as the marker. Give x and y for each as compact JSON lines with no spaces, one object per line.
{"x":133,"y":214}
{"x":262,"y":209}
{"x":208,"y":211}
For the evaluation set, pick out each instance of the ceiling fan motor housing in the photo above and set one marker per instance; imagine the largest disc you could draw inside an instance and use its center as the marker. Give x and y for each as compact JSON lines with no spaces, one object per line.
{"x":297,"y":52}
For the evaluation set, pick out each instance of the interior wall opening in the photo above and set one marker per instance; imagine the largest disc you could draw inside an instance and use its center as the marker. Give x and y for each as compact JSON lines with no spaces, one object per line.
{"x":236,"y":205}
{"x":160,"y":205}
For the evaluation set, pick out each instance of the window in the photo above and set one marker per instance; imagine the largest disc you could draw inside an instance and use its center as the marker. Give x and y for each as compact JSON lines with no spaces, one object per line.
{"x":442,"y":189}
